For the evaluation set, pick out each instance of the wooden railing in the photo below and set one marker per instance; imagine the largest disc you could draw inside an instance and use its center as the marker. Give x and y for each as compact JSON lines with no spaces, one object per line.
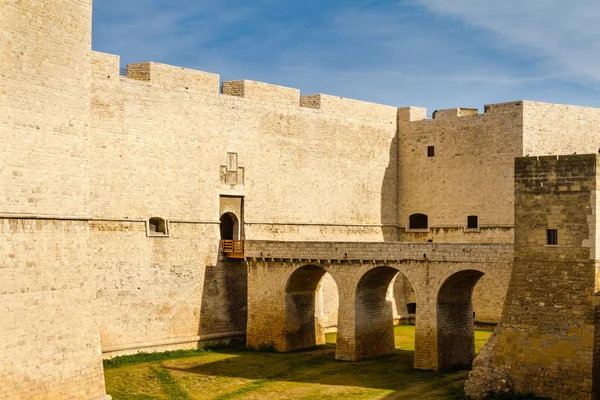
{"x":232,"y":248}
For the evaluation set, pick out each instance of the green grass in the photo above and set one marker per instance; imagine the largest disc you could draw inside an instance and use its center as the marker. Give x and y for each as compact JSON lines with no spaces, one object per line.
{"x":404,"y":336}
{"x":235,"y":373}
{"x":169,"y":385}
{"x":149,"y":357}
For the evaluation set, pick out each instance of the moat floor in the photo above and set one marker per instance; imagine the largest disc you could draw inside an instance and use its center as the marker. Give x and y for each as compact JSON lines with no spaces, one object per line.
{"x":240,"y":374}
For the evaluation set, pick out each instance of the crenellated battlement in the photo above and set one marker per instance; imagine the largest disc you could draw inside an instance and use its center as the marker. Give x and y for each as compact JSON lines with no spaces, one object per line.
{"x":450,"y":113}
{"x":106,"y":66}
{"x":343,"y":105}
{"x":410,"y":114}
{"x":454,"y":112}
{"x":172,"y":77}
{"x":261,"y":91}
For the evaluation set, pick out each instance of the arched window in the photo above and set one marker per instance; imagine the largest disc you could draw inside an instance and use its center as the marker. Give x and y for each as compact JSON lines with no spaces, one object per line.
{"x":157,"y":227}
{"x":418,"y":221}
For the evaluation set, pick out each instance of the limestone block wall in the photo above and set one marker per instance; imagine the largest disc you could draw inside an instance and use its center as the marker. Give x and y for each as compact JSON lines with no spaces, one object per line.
{"x":560,"y":129}
{"x":50,"y":346}
{"x":162,"y":138}
{"x":401,"y":294}
{"x":308,"y":172}
{"x":224,"y":306}
{"x":546,"y":341}
{"x":150,"y":289}
{"x":44,"y":104}
{"x":468,"y":171}
{"x":169,"y":77}
{"x":306,"y":250}
{"x":262,"y":91}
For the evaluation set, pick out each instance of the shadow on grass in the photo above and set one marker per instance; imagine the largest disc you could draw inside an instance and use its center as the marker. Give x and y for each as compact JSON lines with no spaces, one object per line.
{"x":394,"y":372}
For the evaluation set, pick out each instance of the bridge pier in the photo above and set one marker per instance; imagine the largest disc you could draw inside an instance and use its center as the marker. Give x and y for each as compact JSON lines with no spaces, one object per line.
{"x":266,"y":307}
{"x":426,"y":334}
{"x":374,"y":319}
{"x":345,"y":348}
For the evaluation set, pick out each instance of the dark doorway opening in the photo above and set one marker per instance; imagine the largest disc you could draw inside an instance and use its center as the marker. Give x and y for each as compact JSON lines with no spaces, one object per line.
{"x":229,"y":227}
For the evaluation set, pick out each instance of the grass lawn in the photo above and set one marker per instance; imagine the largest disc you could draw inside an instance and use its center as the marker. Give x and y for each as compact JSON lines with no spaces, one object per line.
{"x":315,"y":374}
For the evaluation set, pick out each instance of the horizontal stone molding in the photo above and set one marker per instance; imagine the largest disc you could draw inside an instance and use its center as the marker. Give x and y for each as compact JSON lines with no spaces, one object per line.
{"x":320,"y":224}
{"x":46,"y":217}
{"x":174,"y":341}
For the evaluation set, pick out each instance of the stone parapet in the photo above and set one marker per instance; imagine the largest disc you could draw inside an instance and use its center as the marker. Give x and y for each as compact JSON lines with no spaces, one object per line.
{"x":487,"y":252}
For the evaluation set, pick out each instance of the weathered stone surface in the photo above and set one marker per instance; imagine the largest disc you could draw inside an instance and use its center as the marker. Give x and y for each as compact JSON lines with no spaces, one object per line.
{"x":547,"y":340}
{"x":485,"y":380}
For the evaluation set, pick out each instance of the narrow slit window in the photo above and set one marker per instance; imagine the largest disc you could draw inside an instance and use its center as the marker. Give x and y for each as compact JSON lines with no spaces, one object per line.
{"x":472,"y":222}
{"x":430,"y":151}
{"x":552,"y":237}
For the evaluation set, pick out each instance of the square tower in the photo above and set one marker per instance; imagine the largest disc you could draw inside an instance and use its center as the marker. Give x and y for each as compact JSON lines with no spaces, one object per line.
{"x":546,"y":342}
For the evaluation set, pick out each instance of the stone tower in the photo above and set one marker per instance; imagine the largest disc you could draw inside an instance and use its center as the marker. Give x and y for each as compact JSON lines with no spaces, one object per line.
{"x":51,"y":348}
{"x":546,"y":342}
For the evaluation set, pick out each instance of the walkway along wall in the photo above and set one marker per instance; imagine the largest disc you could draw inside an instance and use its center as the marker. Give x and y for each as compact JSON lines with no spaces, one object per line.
{"x":547,"y":340}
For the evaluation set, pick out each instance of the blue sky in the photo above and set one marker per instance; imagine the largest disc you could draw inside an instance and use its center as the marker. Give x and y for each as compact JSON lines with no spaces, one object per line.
{"x":429,"y":53}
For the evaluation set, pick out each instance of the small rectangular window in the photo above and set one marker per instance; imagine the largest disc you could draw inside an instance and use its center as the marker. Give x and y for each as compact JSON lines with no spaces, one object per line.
{"x":552,"y":236}
{"x":430,"y":151}
{"x":157,"y":227}
{"x":472,"y":222}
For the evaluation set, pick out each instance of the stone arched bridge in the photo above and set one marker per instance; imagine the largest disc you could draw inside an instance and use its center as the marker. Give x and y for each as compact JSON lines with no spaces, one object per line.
{"x":283,"y":278}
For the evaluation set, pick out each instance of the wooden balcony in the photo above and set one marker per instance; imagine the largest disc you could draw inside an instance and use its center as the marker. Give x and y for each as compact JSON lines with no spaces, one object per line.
{"x":232,"y":248}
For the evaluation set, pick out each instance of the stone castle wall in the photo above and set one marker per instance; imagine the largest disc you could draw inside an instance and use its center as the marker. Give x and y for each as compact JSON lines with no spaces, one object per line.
{"x":50,"y":341}
{"x":308,"y":172}
{"x":470,"y":172}
{"x":560,"y":129}
{"x":160,"y":139}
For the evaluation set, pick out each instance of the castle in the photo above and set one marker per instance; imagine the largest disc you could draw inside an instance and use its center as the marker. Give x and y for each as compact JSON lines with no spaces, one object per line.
{"x":156,"y":210}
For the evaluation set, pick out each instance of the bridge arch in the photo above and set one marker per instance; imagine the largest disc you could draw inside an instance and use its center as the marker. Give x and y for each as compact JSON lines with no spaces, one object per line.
{"x":303,"y":327}
{"x":374,"y":318}
{"x":455,"y":322}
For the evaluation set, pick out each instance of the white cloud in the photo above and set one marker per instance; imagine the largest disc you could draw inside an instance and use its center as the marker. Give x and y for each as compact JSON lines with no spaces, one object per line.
{"x":439,"y":54}
{"x":563,"y":36}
